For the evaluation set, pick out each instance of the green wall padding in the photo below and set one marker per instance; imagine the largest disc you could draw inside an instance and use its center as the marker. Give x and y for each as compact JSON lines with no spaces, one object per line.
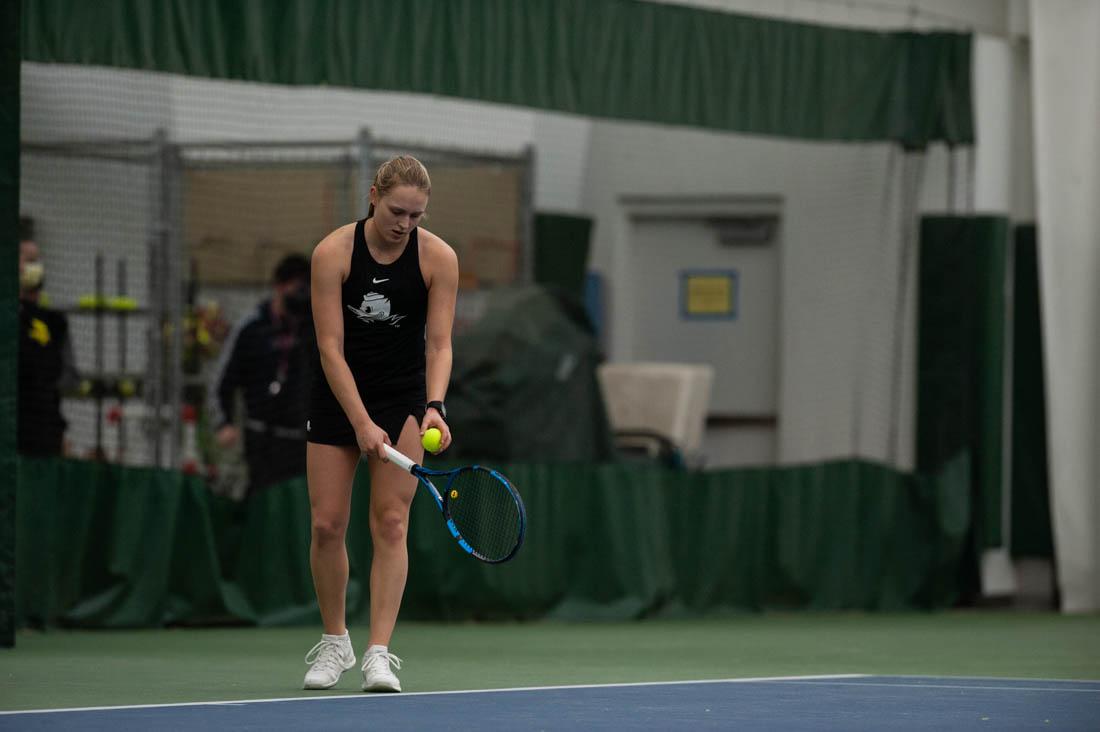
{"x":9,"y":310}
{"x":102,"y":546}
{"x":618,"y":59}
{"x":1031,"y":528}
{"x":961,"y":357}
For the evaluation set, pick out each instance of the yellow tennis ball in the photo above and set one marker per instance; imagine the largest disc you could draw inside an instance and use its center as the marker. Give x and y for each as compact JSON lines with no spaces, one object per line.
{"x":432,"y":439}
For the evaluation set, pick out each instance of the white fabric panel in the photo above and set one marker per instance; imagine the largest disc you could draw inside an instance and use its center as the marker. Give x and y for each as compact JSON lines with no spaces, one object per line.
{"x":993,"y":106}
{"x":1066,"y":86}
{"x":989,"y":16}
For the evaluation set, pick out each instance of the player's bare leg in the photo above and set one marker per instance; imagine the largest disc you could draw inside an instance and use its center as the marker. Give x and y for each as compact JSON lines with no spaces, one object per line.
{"x":330,"y":471}
{"x":392,"y":491}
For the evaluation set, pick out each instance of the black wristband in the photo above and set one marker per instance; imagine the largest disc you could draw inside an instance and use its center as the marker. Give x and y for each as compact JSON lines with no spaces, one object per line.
{"x":439,"y":407}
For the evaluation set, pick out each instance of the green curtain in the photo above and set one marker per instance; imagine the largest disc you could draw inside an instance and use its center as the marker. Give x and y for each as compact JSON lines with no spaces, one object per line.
{"x":103,"y":546}
{"x":1031,"y":528}
{"x":9,"y":312}
{"x":618,"y":59}
{"x":561,"y":252}
{"x":961,"y":358}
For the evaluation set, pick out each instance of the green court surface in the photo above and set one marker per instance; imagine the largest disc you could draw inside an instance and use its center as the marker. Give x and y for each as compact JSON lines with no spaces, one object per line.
{"x":57,"y":668}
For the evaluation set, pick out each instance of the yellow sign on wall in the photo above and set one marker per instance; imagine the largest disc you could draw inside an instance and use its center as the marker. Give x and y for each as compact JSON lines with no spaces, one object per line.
{"x":708,"y":294}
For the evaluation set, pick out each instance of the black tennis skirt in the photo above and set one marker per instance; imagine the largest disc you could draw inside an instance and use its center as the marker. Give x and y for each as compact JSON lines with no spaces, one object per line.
{"x":329,"y":425}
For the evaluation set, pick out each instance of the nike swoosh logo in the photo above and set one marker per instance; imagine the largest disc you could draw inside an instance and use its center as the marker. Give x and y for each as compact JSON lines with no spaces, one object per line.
{"x":375,"y":280}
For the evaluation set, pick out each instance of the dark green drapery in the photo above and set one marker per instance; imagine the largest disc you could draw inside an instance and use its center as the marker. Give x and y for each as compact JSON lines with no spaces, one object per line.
{"x":1031,"y":528}
{"x":961,"y":362}
{"x":561,"y":252}
{"x":103,"y":546}
{"x":9,"y":313}
{"x":619,"y":59}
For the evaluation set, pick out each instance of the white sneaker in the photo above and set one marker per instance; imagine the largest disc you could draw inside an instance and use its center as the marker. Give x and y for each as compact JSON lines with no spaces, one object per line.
{"x":376,"y":671}
{"x":332,"y":656}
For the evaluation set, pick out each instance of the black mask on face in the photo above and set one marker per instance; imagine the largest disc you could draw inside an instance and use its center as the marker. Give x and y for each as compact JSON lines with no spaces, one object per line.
{"x":296,"y":302}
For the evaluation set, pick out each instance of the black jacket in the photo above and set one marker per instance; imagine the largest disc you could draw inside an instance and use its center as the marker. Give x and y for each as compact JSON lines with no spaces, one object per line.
{"x":269,"y":361}
{"x":45,"y":361}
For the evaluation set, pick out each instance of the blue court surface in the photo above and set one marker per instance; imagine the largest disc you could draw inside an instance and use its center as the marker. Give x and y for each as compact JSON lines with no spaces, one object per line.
{"x":848,"y":702}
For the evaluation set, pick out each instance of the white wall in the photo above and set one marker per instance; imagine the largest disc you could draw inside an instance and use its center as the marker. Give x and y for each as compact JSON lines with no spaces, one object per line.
{"x":838,"y":268}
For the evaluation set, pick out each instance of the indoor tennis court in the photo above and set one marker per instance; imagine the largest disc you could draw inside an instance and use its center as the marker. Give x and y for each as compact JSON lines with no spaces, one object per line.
{"x":761,"y":339}
{"x":782,"y":670}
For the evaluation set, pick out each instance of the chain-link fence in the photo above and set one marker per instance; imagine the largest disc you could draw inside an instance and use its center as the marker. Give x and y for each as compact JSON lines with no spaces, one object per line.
{"x":156,"y":252}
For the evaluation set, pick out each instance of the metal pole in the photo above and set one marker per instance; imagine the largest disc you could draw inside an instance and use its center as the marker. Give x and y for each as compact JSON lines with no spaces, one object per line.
{"x":158,"y":287}
{"x":174,"y":271}
{"x":951,"y":174}
{"x":98,"y":388}
{"x":366,"y":168}
{"x":152,"y":389}
{"x":527,"y":218}
{"x":122,"y":347}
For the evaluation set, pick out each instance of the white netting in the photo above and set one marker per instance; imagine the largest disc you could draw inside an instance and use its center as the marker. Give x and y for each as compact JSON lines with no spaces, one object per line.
{"x":200,"y":188}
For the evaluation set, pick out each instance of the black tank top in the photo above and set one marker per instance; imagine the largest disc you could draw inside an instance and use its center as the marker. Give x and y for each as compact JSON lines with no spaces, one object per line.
{"x":385,"y":310}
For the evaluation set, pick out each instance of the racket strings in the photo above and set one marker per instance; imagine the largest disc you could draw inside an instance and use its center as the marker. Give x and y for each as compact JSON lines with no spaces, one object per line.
{"x":486,"y":513}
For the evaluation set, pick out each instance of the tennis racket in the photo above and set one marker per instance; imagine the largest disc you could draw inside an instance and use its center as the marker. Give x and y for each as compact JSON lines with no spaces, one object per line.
{"x":484,"y":513}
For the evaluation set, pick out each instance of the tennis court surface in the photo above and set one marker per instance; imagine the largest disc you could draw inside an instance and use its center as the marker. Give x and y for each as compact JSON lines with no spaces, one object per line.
{"x":850,"y":702}
{"x":790,"y":671}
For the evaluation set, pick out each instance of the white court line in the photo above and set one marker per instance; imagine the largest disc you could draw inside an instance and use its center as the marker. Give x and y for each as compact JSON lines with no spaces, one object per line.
{"x":828,"y":682}
{"x":363,"y":695}
{"x":987,"y":678}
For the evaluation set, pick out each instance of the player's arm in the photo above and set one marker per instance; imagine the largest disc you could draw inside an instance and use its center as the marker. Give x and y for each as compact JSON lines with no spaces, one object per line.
{"x":442,"y":281}
{"x":331,"y":259}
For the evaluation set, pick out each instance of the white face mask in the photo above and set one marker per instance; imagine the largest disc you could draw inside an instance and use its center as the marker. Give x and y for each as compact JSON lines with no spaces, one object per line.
{"x":32,"y":275}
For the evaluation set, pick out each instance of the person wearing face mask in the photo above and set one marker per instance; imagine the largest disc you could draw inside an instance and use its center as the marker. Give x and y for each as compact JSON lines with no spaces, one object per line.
{"x":46,"y":364}
{"x":267,"y":360}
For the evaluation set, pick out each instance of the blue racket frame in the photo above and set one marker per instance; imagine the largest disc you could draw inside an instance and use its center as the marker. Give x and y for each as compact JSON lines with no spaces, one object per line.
{"x":424,"y":475}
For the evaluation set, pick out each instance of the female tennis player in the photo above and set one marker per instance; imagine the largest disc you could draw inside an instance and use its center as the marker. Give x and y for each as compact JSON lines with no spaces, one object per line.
{"x":383,"y":293}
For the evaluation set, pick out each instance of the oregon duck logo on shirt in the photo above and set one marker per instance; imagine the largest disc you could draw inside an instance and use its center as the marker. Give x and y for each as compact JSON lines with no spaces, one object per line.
{"x":376,"y":309}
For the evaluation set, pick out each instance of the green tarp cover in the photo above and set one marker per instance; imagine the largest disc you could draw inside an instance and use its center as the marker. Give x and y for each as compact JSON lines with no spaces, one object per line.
{"x":103,"y":546}
{"x":524,"y":385}
{"x":618,"y":59}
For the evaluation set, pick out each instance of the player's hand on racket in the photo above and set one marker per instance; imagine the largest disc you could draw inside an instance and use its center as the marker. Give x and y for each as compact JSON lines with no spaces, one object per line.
{"x":371,"y":438}
{"x":432,"y":419}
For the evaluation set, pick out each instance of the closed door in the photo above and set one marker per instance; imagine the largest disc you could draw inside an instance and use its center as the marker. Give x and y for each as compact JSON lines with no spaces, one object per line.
{"x":702,"y":293}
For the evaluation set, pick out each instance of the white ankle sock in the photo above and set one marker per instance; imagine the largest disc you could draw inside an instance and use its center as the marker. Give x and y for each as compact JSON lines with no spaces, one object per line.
{"x":378,"y":649}
{"x":345,"y":638}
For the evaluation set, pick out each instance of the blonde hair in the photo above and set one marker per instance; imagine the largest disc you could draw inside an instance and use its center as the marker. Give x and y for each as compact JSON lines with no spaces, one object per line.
{"x":403,"y":170}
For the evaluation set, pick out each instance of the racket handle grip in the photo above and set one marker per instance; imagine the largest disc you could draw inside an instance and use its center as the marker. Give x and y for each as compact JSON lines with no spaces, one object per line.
{"x":398,"y":459}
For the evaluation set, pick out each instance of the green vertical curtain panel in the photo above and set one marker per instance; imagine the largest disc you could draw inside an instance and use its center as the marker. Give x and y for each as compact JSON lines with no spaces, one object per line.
{"x":618,"y":59}
{"x":1031,"y":528}
{"x":561,"y":252}
{"x":103,"y":546}
{"x":961,"y":357}
{"x":9,"y":312}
